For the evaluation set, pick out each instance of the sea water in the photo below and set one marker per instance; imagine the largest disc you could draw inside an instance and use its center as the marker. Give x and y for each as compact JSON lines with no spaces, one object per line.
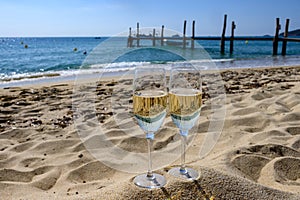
{"x":44,"y":58}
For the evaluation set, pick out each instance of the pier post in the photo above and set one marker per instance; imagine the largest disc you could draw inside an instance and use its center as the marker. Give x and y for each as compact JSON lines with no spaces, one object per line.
{"x":193,"y":35}
{"x":184,"y":32}
{"x":162,"y":35}
{"x":275,"y":40}
{"x":129,"y":41}
{"x":286,"y":32}
{"x":223,"y":35}
{"x":138,"y":34}
{"x":233,"y":26}
{"x":153,"y":37}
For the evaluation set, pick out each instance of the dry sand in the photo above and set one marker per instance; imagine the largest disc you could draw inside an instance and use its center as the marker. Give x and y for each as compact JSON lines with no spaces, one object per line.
{"x":256,"y":157}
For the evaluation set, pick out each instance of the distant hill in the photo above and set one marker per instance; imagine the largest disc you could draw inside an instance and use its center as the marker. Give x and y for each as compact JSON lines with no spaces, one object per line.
{"x":293,"y":33}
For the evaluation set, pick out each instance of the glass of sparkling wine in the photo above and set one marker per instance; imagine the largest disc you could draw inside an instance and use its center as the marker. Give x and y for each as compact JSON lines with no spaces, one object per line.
{"x":150,"y":100}
{"x":185,"y":100}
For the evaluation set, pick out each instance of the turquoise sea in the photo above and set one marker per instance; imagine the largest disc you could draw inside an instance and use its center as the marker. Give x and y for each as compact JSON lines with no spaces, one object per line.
{"x":44,"y":57}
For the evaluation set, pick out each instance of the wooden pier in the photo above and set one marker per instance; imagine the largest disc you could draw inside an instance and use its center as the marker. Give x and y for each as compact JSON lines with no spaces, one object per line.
{"x":185,"y":41}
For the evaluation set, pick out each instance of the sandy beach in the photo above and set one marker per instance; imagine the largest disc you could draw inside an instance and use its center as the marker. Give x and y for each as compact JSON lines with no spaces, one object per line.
{"x":257,"y":155}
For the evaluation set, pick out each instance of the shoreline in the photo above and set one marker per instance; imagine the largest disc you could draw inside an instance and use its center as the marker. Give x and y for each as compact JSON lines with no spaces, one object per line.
{"x":56,"y":78}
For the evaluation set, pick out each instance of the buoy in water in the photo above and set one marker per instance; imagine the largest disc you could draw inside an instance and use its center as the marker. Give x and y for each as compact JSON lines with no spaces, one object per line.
{"x":75,"y":49}
{"x":25,"y":46}
{"x":246,"y":42}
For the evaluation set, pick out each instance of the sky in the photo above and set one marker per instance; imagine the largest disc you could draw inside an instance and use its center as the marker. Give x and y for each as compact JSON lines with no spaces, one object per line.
{"x":38,"y":18}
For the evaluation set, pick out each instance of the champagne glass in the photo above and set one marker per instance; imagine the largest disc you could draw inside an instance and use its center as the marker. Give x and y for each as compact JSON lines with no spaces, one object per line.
{"x":149,"y":107}
{"x":185,"y":100}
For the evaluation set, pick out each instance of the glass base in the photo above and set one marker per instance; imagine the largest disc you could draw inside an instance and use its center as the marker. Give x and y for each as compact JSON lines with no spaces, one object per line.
{"x":187,"y":174}
{"x":157,"y":181}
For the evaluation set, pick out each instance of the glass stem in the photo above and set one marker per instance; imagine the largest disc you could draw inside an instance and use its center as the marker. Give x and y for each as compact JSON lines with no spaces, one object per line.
{"x":150,"y":137}
{"x":183,"y":135}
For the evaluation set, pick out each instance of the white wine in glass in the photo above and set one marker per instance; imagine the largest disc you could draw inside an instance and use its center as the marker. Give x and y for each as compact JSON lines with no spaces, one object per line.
{"x":150,"y":101}
{"x":185,"y":100}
